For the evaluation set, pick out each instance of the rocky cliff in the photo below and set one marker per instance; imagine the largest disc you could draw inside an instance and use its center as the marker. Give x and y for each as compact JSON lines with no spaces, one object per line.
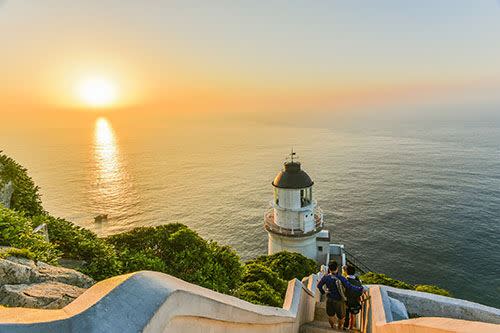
{"x":25,"y":283}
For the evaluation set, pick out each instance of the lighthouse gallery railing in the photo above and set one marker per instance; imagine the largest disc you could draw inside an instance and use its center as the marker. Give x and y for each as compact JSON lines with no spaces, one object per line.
{"x":271,"y":225}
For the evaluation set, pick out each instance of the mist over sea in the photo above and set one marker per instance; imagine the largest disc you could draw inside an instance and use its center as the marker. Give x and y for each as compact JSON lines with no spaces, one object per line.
{"x":417,"y":200}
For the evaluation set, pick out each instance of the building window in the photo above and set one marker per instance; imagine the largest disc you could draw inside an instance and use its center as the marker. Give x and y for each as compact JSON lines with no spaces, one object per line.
{"x":305,"y":197}
{"x":320,"y":248}
{"x":276,"y":198}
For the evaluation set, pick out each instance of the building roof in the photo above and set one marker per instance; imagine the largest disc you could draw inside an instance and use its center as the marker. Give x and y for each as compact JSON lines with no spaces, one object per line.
{"x":292,"y":177}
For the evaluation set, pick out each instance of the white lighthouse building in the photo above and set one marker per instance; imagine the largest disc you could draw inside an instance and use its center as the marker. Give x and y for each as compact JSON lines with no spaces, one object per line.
{"x":295,"y":222}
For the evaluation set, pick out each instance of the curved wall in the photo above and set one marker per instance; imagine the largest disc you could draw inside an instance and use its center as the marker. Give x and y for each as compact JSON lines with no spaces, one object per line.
{"x":156,"y":302}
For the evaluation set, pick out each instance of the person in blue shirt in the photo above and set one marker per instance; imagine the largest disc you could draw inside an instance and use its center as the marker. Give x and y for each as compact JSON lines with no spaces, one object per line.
{"x":336,"y":298}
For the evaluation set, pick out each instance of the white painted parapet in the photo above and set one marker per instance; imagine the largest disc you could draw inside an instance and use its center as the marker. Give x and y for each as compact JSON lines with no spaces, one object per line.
{"x":440,"y":314}
{"x":156,"y":302}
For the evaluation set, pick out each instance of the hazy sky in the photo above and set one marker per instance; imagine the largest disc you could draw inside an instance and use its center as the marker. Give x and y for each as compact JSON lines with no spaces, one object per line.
{"x":283,"y":55}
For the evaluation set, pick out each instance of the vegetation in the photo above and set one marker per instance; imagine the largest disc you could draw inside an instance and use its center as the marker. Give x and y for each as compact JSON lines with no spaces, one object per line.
{"x":257,"y":272}
{"x":16,"y":230}
{"x":15,"y":252}
{"x":25,"y":197}
{"x":265,"y":278}
{"x":432,"y":289}
{"x":288,"y":265}
{"x":100,"y":258}
{"x":377,"y":278}
{"x":177,"y":250}
{"x":259,"y":292}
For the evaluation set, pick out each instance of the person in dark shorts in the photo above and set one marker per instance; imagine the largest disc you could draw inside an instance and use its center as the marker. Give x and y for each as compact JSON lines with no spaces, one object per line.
{"x":336,"y":296}
{"x":353,"y":303}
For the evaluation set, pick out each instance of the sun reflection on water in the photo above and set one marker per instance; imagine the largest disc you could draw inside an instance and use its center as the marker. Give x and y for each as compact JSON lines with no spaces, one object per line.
{"x":110,"y":180}
{"x":106,"y":151}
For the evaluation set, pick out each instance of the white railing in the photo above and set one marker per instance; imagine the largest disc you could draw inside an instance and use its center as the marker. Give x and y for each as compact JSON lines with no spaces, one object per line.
{"x":272,"y":226}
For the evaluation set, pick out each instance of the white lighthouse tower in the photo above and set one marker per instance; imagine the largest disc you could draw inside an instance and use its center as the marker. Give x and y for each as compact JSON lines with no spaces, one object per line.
{"x":295,"y":222}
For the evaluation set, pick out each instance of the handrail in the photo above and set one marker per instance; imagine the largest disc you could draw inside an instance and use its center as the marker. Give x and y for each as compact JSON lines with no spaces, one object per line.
{"x":363,"y":321}
{"x":358,"y":264}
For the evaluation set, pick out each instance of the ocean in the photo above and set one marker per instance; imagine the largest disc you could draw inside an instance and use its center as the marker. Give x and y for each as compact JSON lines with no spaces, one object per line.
{"x":417,"y":201}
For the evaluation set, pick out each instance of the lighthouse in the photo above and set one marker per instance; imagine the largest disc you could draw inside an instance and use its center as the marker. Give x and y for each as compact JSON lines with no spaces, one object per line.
{"x":295,"y":221}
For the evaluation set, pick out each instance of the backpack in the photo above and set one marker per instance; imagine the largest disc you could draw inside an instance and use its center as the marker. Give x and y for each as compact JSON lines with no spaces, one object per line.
{"x":340,"y":287}
{"x":353,"y":295}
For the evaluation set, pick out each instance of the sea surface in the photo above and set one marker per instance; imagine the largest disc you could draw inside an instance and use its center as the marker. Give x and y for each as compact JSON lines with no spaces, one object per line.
{"x":417,"y":201}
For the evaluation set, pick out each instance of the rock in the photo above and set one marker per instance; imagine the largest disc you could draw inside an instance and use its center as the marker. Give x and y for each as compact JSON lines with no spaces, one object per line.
{"x":46,"y":295}
{"x":26,"y":283}
{"x":15,"y":273}
{"x":63,"y":275}
{"x":398,"y":309}
{"x":6,"y":193}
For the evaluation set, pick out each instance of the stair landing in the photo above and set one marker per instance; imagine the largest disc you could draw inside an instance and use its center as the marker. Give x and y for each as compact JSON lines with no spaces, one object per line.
{"x":320,"y":323}
{"x":318,"y":327}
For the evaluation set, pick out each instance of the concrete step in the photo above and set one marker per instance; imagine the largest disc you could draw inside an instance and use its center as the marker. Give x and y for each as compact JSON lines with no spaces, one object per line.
{"x":321,"y":320}
{"x":320,"y":312}
{"x":318,"y":327}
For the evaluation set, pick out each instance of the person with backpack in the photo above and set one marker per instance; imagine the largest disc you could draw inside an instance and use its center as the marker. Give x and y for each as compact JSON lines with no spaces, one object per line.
{"x":336,"y":297}
{"x":353,"y":303}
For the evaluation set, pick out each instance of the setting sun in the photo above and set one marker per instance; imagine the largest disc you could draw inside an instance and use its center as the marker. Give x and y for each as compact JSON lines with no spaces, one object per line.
{"x":97,"y":92}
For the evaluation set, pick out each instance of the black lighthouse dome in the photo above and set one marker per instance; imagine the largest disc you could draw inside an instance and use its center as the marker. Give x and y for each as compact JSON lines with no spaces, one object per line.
{"x":292,"y":177}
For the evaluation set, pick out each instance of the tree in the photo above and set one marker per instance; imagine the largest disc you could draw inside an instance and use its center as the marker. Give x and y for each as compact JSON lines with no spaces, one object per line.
{"x":257,"y":272}
{"x":100,"y":258}
{"x":25,"y":197}
{"x":185,"y":255}
{"x":288,"y":265}
{"x":141,"y":260}
{"x":265,"y":278}
{"x":259,"y":292}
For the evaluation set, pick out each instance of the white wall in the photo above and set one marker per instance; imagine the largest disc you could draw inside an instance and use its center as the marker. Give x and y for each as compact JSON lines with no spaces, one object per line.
{"x":156,"y":302}
{"x":303,"y":245}
{"x":289,"y":213}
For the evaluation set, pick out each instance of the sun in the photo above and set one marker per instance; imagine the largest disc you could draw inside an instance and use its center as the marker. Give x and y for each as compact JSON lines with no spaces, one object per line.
{"x":97,"y":91}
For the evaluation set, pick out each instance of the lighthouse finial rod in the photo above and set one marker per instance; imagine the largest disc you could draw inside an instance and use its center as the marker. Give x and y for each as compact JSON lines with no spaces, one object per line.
{"x":292,"y":155}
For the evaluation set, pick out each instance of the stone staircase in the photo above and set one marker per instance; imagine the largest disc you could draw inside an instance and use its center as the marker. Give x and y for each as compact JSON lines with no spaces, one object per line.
{"x":320,"y":323}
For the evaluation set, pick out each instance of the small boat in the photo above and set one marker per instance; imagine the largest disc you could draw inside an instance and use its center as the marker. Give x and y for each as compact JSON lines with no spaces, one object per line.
{"x":101,"y":218}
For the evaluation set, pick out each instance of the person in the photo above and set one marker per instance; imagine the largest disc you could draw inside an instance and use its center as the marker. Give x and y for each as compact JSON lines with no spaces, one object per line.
{"x":353,"y":303}
{"x":336,"y":296}
{"x":344,"y":271}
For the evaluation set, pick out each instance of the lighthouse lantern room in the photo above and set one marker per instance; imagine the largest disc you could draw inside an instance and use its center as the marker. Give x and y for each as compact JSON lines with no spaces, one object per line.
{"x":295,"y":221}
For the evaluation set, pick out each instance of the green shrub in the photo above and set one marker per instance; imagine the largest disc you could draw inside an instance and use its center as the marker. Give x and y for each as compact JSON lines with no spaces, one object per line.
{"x":255,"y":272}
{"x":225,"y":268}
{"x":16,"y":230}
{"x":19,"y":253}
{"x":265,"y":278}
{"x":259,"y":292}
{"x":141,"y":260}
{"x":185,"y":255}
{"x":100,"y":258}
{"x":432,"y":289}
{"x":25,"y":197}
{"x":377,"y":278}
{"x":288,"y":265}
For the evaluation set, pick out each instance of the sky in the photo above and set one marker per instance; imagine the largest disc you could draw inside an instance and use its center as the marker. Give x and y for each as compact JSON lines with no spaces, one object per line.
{"x":180,"y":56}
